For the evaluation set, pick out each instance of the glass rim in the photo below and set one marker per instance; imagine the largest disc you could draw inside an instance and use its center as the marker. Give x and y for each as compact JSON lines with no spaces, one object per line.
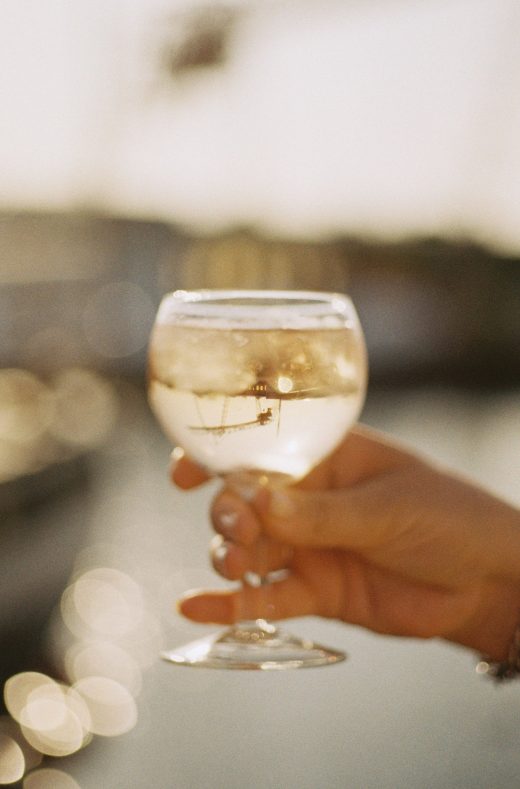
{"x":238,"y":306}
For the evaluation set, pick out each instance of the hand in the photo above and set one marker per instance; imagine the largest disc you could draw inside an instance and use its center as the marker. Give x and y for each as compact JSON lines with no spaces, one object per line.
{"x":374,"y":536}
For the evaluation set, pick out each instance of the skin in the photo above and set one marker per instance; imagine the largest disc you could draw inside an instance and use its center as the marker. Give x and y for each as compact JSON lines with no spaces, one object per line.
{"x":374,"y":536}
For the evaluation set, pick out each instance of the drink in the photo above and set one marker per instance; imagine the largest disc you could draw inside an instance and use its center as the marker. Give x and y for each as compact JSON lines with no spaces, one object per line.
{"x":269,"y":402}
{"x":260,"y":384}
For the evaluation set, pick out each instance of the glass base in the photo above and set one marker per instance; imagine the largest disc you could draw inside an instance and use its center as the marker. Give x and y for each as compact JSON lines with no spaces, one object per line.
{"x":255,"y":645}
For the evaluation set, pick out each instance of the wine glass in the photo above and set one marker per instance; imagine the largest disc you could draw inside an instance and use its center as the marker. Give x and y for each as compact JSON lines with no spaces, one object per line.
{"x":257,"y":387}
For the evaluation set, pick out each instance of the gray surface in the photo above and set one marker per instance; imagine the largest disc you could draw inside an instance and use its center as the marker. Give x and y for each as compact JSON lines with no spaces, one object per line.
{"x":397,"y":714}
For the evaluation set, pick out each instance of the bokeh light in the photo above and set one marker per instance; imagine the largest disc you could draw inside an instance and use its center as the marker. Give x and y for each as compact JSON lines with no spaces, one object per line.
{"x":102,"y":658}
{"x":12,"y":762}
{"x":85,"y":407}
{"x":49,"y":778}
{"x":19,"y":687}
{"x":112,"y":707}
{"x":105,"y":636}
{"x":26,"y":410}
{"x":103,"y":602}
{"x":26,"y":406}
{"x":11,"y":729}
{"x":53,"y":721}
{"x":284,"y":384}
{"x":115,"y":635}
{"x":47,"y":421}
{"x":65,"y":734}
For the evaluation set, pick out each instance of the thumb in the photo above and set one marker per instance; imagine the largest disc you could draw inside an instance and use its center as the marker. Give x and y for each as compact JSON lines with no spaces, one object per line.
{"x":357,"y":518}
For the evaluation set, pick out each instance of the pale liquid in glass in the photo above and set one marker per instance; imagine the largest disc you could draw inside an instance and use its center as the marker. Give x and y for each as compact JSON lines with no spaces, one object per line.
{"x":262,"y":402}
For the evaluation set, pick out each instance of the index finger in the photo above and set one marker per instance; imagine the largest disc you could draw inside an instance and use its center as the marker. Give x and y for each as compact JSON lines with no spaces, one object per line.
{"x":187,"y":474}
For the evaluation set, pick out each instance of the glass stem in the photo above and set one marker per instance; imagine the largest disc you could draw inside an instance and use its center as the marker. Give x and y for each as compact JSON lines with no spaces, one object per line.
{"x":258,"y":591}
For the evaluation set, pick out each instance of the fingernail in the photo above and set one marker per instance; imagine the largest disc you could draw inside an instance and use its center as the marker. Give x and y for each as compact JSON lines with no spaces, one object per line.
{"x":228,"y":520}
{"x":179,"y":603}
{"x":219,"y":554}
{"x":177,"y":454}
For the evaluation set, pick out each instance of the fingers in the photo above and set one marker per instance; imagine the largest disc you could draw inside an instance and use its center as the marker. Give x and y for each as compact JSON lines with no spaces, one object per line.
{"x":229,"y":560}
{"x":357,"y":517}
{"x":234,"y":519}
{"x":281,"y":600}
{"x":185,"y":473}
{"x":233,"y":561}
{"x":361,"y":517}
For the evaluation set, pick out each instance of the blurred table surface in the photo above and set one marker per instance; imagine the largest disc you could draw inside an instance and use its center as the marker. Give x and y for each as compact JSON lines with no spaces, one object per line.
{"x":398,"y":713}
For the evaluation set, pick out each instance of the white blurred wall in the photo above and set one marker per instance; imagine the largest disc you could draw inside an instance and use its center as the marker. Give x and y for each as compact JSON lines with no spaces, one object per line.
{"x":385,"y":118}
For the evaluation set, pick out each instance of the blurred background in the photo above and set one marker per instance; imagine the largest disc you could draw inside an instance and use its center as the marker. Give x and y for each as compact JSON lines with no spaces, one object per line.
{"x":148,"y":145}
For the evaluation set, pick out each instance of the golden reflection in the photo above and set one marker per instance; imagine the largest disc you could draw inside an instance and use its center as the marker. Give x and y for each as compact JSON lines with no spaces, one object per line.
{"x":346,"y":369}
{"x":284,"y":384}
{"x":242,"y":259}
{"x":12,"y":762}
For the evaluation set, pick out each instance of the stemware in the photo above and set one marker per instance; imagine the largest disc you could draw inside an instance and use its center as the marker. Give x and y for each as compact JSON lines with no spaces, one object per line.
{"x":258,"y":387}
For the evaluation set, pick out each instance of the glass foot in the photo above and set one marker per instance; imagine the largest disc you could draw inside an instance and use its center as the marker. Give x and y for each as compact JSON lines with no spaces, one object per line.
{"x":253,"y":645}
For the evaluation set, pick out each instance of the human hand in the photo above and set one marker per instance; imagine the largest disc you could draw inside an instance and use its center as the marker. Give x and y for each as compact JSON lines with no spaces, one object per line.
{"x":376,"y":537}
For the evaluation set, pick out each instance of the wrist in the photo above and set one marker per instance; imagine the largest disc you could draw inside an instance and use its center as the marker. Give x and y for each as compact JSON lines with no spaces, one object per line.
{"x":506,"y":669}
{"x":491,"y":630}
